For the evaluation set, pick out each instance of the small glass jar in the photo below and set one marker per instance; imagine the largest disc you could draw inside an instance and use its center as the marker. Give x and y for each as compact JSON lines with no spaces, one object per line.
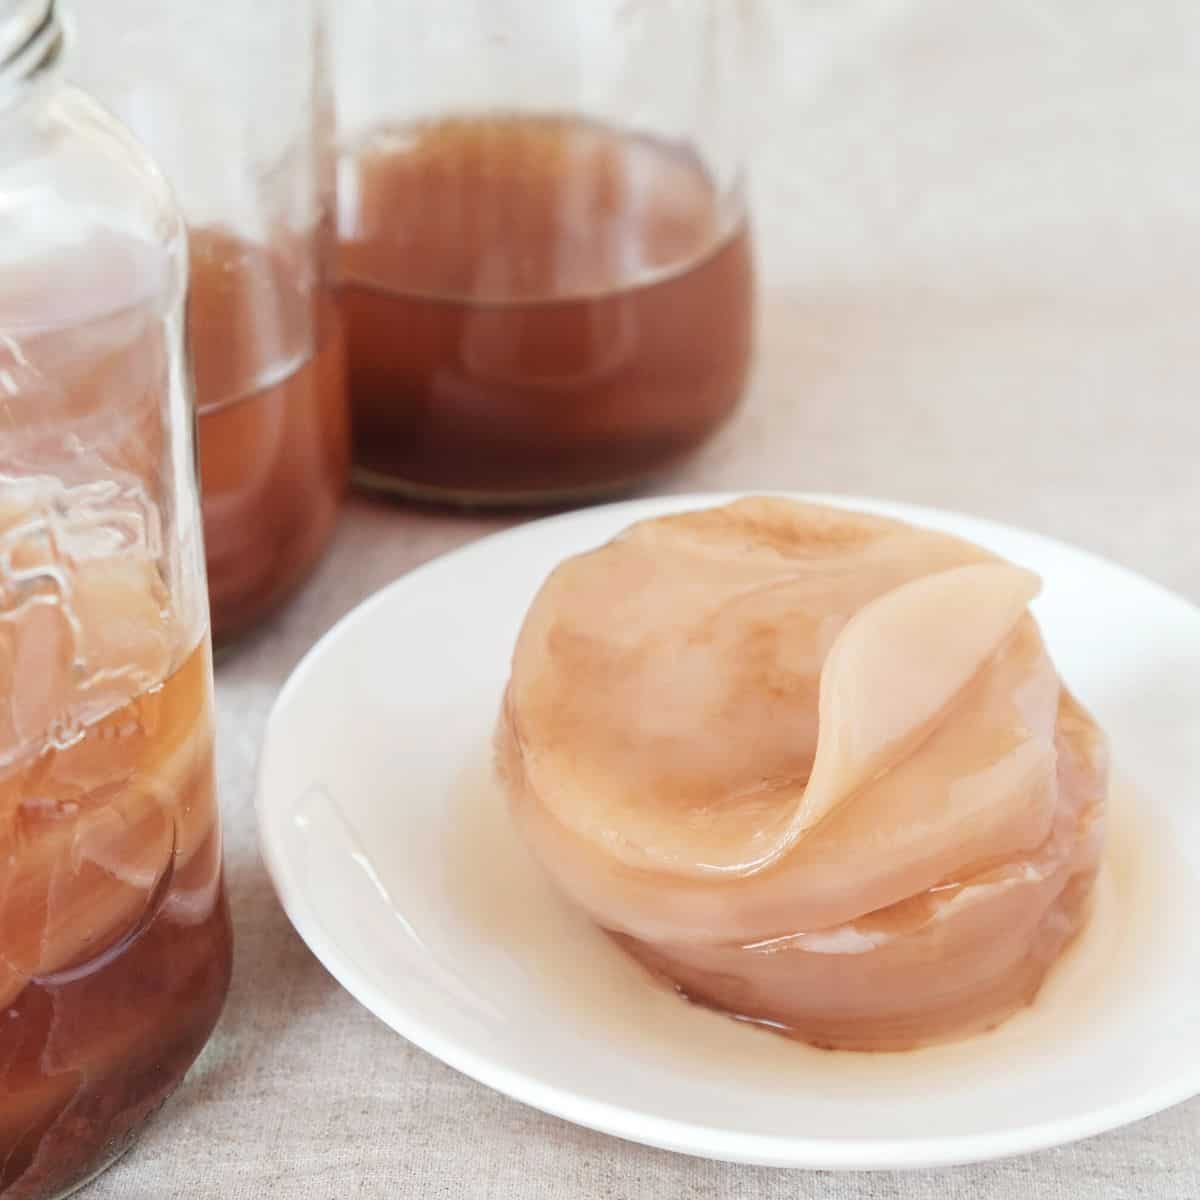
{"x":227,"y":97}
{"x":543,"y":257}
{"x":115,"y":942}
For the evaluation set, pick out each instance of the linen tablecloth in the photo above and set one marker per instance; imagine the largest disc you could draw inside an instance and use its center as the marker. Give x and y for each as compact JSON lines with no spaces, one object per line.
{"x":980,"y":248}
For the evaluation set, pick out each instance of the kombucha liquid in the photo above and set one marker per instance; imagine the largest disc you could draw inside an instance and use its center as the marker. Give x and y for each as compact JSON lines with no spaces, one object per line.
{"x":273,"y":426}
{"x":535,"y":308}
{"x":114,"y":932}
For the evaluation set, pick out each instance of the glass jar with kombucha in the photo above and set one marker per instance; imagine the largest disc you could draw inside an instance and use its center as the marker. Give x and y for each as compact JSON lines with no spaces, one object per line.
{"x":228,"y":98}
{"x":114,"y":929}
{"x":543,"y":258}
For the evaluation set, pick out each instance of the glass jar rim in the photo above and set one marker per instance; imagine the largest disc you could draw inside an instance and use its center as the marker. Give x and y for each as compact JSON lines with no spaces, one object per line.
{"x":31,"y":39}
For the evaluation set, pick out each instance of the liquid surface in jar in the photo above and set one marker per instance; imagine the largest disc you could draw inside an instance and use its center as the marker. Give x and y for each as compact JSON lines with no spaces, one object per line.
{"x":273,"y":425}
{"x":114,"y":932}
{"x":85,"y":370}
{"x":535,"y":306}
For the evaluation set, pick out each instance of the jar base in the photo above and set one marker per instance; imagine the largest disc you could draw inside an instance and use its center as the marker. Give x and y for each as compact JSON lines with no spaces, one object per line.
{"x":119,"y":1153}
{"x":396,"y":488}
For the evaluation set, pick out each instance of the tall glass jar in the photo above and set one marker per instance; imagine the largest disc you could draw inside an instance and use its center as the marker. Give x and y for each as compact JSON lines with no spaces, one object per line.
{"x":543,"y":254}
{"x":227,"y":97}
{"x":114,"y":930}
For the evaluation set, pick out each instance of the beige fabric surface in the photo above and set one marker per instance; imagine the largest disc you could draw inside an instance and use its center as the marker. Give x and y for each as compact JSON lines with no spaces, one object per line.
{"x":980,"y":236}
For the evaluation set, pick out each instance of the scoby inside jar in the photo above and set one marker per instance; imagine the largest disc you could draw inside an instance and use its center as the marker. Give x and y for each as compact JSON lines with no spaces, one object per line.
{"x":816,"y":767}
{"x":114,"y":936}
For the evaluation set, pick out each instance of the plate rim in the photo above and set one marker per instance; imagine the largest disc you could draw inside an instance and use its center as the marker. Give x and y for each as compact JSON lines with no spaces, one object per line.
{"x":625,"y":1121}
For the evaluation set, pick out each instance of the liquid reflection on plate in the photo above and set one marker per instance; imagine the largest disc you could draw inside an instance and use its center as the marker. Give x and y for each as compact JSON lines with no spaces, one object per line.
{"x":510,"y":907}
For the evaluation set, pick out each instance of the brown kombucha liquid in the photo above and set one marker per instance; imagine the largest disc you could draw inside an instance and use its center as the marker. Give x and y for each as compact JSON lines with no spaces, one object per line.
{"x":536,"y":307}
{"x":273,"y":426}
{"x":115,"y":943}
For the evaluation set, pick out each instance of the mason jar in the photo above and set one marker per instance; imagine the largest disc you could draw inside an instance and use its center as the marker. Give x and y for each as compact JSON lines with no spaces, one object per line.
{"x":115,"y":942}
{"x":543,"y":251}
{"x":229,"y":99}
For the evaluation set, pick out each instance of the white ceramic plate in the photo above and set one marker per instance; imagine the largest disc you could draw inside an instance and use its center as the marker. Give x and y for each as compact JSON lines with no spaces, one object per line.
{"x":390,"y":851}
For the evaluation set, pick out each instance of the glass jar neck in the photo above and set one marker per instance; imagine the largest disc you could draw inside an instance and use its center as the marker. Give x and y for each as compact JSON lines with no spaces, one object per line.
{"x":31,"y":43}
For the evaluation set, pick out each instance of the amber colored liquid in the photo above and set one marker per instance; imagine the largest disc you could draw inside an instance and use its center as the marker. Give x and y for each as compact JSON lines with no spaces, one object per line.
{"x":115,"y":945}
{"x":274,"y":430}
{"x":535,"y":307}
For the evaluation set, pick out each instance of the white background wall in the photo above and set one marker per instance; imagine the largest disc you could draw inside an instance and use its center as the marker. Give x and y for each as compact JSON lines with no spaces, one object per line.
{"x":978,"y":143}
{"x":943,"y":144}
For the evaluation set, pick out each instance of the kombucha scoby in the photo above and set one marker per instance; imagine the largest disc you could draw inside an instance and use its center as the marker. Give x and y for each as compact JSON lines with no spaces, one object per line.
{"x":815,"y":767}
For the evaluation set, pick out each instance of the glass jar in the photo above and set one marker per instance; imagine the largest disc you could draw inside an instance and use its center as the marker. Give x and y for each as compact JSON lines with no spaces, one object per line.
{"x":543,"y":256}
{"x":114,"y":929}
{"x":227,"y":97}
